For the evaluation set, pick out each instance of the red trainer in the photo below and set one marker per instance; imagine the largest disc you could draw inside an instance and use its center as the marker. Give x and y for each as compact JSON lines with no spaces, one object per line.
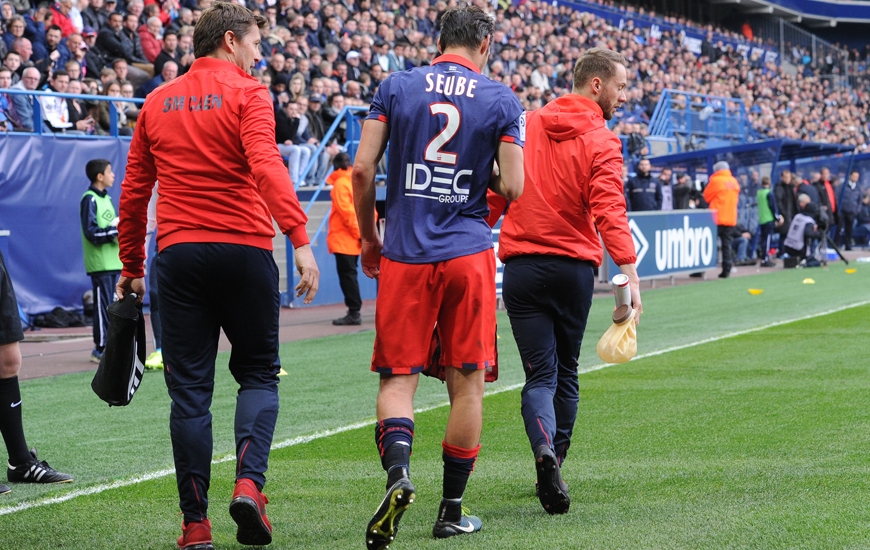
{"x":195,"y":535}
{"x":248,"y":510}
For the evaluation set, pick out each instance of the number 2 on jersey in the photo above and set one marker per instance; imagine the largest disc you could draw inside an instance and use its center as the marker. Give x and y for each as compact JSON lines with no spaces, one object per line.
{"x":433,"y":150}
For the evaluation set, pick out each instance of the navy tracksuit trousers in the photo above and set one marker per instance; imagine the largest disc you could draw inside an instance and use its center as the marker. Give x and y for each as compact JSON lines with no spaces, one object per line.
{"x":205,"y":287}
{"x":548,"y":300}
{"x":103,"y":286}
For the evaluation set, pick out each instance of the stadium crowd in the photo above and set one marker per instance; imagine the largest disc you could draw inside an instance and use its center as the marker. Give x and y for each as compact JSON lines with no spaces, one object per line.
{"x":338,"y":51}
{"x":320,"y":55}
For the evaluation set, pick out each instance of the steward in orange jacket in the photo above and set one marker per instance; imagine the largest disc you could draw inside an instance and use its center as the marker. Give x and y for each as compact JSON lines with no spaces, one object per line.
{"x":343,"y":238}
{"x":343,"y":235}
{"x":722,"y":193}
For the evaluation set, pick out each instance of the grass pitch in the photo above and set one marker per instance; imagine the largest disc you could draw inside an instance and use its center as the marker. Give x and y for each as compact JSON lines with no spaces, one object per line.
{"x":751,"y":441}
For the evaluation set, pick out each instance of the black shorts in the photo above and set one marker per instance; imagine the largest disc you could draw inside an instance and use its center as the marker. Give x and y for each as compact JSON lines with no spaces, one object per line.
{"x":10,"y":322}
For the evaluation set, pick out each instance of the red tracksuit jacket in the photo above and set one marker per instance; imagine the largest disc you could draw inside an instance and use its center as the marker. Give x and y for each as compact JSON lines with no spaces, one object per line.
{"x":573,"y":183}
{"x":209,"y":138}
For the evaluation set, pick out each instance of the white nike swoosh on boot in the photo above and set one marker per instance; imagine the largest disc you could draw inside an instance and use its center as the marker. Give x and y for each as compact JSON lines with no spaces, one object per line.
{"x":13,"y":405}
{"x":465,"y":528}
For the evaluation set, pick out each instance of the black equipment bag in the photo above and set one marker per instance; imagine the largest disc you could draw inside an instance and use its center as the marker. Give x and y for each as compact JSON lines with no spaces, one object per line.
{"x":122,"y":365}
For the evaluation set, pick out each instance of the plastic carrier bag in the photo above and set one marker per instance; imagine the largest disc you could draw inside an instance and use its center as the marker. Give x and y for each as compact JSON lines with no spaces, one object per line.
{"x":619,"y":343}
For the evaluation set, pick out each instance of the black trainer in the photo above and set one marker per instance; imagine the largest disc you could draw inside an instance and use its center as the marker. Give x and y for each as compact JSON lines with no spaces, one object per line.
{"x":35,"y":471}
{"x":381,"y":530}
{"x":4,"y":489}
{"x":552,"y":491}
{"x":348,"y":320}
{"x":447,"y":524}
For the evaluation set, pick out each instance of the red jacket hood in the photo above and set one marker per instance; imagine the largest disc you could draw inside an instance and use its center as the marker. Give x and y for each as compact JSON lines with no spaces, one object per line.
{"x":570,"y":116}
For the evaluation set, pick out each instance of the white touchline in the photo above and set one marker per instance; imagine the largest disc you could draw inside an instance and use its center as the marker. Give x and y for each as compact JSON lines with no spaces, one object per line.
{"x":302,"y":439}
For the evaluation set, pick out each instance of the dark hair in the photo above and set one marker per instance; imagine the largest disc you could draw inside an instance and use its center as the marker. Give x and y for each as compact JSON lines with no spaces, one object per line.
{"x":341,"y":161}
{"x":56,"y":74}
{"x":4,"y":68}
{"x":168,"y":31}
{"x":217,"y":20}
{"x":96,"y":167}
{"x":465,"y":27}
{"x":596,"y":62}
{"x":54,"y":28}
{"x":11,"y":52}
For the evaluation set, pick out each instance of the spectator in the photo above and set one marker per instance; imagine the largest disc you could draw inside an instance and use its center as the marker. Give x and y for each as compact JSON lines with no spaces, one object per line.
{"x":169,"y":52}
{"x":330,"y":113}
{"x":185,"y":48}
{"x":130,"y":109}
{"x":60,"y":16}
{"x":317,"y":130}
{"x":23,"y":104}
{"x":53,"y":39}
{"x":297,"y":86}
{"x":14,"y":29}
{"x":10,"y":120}
{"x":12,"y":61}
{"x":722,"y":194}
{"x":740,"y":245}
{"x":286,"y":131}
{"x":114,"y":43}
{"x":667,"y":189}
{"x":94,"y":60}
{"x":151,"y":38}
{"x":343,"y":238}
{"x":95,"y":16}
{"x":768,"y":218}
{"x":99,"y":225}
{"x":55,"y":112}
{"x":132,"y":43}
{"x":541,"y":77}
{"x":113,"y":89}
{"x":169,"y":72}
{"x":69,"y":49}
{"x":850,"y":206}
{"x":78,"y":111}
{"x":643,"y":192}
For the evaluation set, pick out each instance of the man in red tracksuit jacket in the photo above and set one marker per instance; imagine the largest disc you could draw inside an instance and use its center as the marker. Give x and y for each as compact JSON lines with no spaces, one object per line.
{"x":209,"y":138}
{"x":549,"y":245}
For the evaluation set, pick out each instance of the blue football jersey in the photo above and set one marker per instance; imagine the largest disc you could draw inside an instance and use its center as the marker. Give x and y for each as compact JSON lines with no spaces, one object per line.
{"x":445,"y":124}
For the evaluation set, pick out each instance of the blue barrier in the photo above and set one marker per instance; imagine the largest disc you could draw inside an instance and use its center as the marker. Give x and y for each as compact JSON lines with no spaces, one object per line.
{"x":668,"y":243}
{"x":43,"y":182}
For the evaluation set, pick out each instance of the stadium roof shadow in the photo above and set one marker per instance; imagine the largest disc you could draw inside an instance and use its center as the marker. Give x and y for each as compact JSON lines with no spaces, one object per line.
{"x":773,"y":151}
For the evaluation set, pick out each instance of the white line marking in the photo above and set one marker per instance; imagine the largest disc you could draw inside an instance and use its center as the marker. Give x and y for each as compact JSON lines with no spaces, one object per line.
{"x":302,"y":439}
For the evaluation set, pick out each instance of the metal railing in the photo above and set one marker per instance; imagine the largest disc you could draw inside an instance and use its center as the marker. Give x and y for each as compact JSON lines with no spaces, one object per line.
{"x":687,"y":115}
{"x":40,"y":128}
{"x":353,"y":132}
{"x":802,"y":48}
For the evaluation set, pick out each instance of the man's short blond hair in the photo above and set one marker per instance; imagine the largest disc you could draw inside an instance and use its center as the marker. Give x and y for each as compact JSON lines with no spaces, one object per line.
{"x":596,"y":62}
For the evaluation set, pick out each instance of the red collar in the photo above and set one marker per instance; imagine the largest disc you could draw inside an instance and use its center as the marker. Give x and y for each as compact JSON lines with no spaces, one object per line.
{"x":458,"y":59}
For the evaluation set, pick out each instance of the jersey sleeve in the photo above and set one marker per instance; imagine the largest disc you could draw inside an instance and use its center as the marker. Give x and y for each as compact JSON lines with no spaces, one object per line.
{"x":512,"y":126}
{"x":378,"y":109}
